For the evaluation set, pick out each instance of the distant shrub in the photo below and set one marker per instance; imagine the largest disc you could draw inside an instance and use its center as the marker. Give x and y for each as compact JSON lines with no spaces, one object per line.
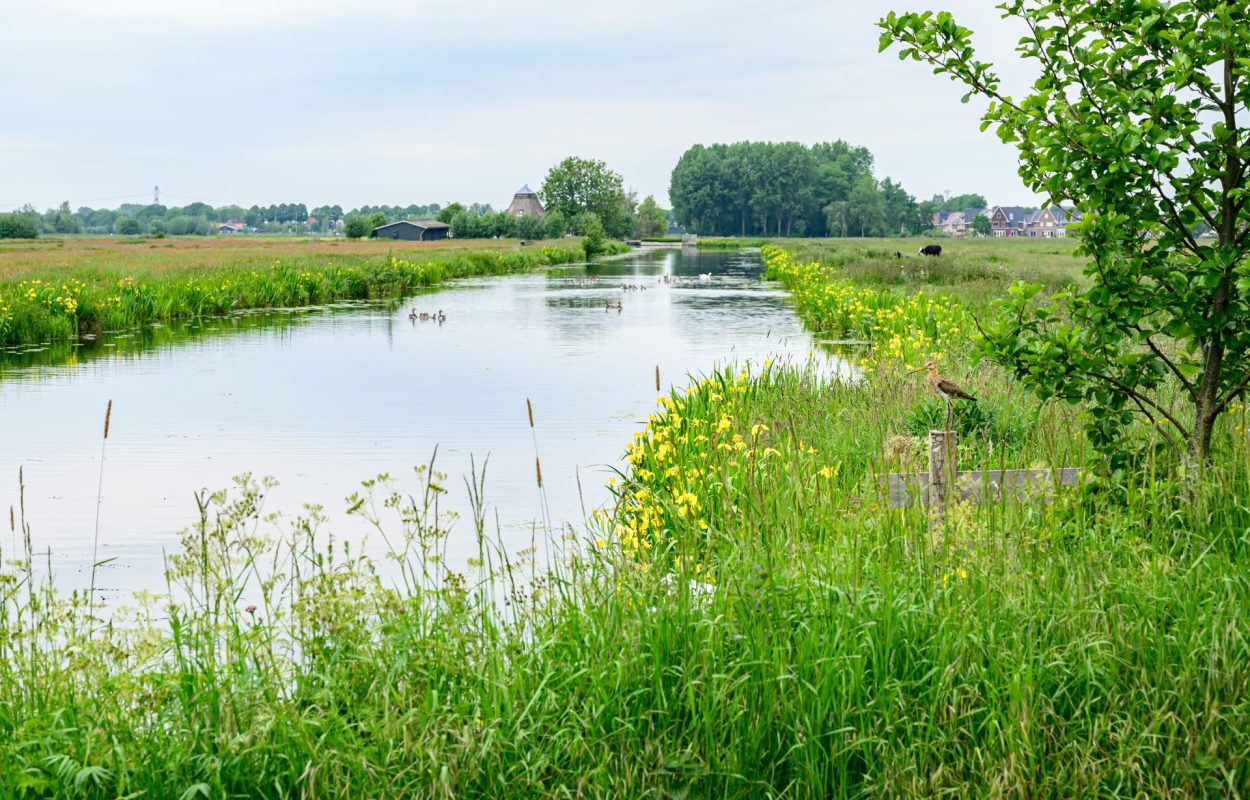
{"x":556,"y":224}
{"x":559,"y":255}
{"x":13,"y":226}
{"x":128,"y":226}
{"x":356,"y":227}
{"x":590,"y":228}
{"x":730,"y":244}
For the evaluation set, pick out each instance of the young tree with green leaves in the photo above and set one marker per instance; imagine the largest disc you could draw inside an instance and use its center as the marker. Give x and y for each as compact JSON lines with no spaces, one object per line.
{"x":982,"y":225}
{"x":356,"y":227}
{"x":128,"y":226}
{"x":555,"y":224}
{"x":590,"y":228}
{"x":447,"y":213}
{"x":651,"y":220}
{"x":579,"y":185}
{"x":1139,"y":117}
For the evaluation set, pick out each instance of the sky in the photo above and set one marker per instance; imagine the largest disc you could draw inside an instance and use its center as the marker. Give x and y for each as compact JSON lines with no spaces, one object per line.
{"x":407,"y":101}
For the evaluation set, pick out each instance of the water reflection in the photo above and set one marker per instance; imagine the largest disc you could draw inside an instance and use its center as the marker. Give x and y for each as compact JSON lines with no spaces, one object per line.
{"x":323,"y":398}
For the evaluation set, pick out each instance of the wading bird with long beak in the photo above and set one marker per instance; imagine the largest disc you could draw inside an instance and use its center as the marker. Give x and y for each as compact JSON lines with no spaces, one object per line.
{"x":943,"y":388}
{"x":947,"y":390}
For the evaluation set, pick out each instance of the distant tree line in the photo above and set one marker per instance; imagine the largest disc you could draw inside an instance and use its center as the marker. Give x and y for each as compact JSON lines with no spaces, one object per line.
{"x":197,"y":219}
{"x":958,"y":202}
{"x":581,"y":196}
{"x":789,"y":189}
{"x":743,"y":189}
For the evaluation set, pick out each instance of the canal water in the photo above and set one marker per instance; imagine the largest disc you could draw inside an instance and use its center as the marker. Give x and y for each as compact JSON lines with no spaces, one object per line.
{"x":324,"y":398}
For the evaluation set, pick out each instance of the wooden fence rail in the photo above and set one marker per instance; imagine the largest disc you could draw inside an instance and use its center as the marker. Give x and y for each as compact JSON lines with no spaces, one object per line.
{"x":944,"y":482}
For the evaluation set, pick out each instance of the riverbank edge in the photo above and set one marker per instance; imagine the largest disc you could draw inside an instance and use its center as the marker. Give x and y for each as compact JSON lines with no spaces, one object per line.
{"x":90,"y":302}
{"x":784,"y":634}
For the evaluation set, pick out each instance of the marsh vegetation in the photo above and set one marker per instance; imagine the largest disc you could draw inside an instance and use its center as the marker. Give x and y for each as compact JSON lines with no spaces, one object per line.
{"x":746,"y":618}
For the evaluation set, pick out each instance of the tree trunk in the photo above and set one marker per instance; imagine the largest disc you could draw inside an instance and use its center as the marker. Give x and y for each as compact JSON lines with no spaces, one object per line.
{"x":1205,"y":410}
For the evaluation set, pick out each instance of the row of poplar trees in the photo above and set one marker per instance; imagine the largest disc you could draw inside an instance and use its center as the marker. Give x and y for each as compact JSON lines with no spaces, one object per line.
{"x":788,"y":189}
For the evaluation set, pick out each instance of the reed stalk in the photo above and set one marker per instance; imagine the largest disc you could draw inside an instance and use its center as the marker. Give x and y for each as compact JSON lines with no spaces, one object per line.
{"x":99,"y":501}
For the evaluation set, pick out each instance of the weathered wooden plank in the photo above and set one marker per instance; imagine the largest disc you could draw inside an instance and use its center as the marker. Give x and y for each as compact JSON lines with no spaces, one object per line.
{"x":1021,"y":485}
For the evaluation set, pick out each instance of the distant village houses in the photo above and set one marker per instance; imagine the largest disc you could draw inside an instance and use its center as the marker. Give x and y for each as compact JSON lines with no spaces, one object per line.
{"x":1050,"y":222}
{"x":232,"y":226}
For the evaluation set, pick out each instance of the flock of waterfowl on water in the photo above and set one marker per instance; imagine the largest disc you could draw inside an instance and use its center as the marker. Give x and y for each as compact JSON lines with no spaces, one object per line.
{"x":426,"y":316}
{"x":667,"y":280}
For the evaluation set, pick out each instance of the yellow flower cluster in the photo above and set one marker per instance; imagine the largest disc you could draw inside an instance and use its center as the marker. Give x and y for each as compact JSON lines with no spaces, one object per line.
{"x":900,"y":329}
{"x":58,"y":299}
{"x":690,"y":467}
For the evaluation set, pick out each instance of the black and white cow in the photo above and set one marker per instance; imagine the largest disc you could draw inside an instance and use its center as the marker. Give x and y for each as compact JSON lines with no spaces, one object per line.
{"x":931,"y":250}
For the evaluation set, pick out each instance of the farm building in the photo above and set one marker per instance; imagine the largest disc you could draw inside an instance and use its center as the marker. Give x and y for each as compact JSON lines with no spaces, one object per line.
{"x":421,"y":230}
{"x":525,"y":204}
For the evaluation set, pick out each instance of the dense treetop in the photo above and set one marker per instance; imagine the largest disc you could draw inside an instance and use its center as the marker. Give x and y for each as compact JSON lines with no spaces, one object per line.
{"x":788,"y":189}
{"x":577,"y":186}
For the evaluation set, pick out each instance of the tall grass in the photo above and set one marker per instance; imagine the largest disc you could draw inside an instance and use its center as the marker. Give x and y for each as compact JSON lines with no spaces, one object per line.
{"x":730,"y":244}
{"x":806,"y":641}
{"x":58,"y":307}
{"x":749,"y":619}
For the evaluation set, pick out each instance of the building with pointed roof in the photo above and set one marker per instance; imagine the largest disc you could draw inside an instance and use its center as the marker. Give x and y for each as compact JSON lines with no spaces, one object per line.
{"x":525,"y":203}
{"x":1052,"y":222}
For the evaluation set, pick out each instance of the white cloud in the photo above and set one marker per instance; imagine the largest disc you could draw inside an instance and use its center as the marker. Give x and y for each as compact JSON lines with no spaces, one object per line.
{"x":392,"y":101}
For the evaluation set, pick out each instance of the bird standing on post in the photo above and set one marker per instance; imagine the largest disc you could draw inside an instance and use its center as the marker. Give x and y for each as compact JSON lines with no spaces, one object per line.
{"x":947,"y":390}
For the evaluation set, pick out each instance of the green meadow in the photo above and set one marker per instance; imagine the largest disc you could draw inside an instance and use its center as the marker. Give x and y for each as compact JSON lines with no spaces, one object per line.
{"x":749,"y":618}
{"x":54,"y":291}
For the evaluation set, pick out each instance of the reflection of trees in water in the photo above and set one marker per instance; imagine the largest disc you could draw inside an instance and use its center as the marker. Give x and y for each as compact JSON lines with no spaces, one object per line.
{"x":735,"y":291}
{"x":718,"y":262}
{"x":688,"y":262}
{"x":580,"y":300}
{"x":606,"y":278}
{"x":748,"y":300}
{"x":130,"y":345}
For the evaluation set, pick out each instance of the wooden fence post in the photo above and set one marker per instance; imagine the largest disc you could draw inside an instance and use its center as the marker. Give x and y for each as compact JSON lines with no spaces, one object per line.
{"x":942,"y":469}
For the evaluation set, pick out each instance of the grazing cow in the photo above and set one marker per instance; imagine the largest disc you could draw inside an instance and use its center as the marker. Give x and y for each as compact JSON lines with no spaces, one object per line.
{"x":931,"y":250}
{"x":897,"y":254}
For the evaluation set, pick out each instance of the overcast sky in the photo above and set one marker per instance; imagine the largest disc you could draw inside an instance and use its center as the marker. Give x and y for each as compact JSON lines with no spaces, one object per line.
{"x":408,"y":101}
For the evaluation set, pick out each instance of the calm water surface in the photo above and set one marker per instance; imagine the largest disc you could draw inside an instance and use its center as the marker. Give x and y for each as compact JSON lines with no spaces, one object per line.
{"x":324,"y":398}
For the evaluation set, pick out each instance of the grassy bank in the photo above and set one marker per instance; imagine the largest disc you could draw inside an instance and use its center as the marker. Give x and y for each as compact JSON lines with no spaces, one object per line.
{"x":749,"y":620}
{"x":730,"y":244}
{"x":53,"y":291}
